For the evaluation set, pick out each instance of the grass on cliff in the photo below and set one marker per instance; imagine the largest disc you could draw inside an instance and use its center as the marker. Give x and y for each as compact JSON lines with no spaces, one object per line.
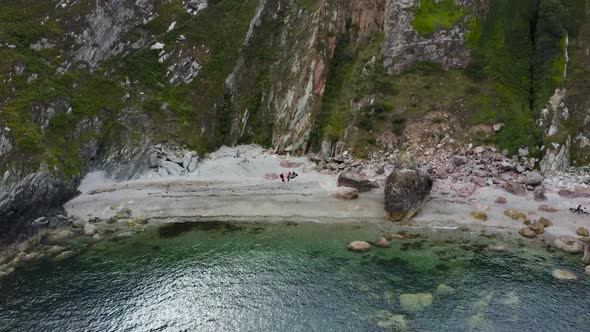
{"x":432,"y":16}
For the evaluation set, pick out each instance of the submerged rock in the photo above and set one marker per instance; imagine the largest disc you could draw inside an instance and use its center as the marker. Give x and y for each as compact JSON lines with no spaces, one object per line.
{"x":55,"y":250}
{"x":563,"y":275}
{"x":443,"y":289}
{"x":497,"y":248}
{"x":359,"y":246}
{"x":406,"y":191}
{"x":587,"y":270}
{"x":349,"y":179}
{"x":568,"y":244}
{"x":382,"y":243}
{"x":500,"y":200}
{"x":415,"y":302}
{"x":64,"y":255}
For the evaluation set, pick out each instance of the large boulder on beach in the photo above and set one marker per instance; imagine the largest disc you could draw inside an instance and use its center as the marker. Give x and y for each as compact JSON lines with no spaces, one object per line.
{"x":406,"y":191}
{"x":359,"y":246}
{"x":346,"y":193}
{"x":583,"y":231}
{"x":533,"y":179}
{"x":569,"y":244}
{"x":354,"y":180}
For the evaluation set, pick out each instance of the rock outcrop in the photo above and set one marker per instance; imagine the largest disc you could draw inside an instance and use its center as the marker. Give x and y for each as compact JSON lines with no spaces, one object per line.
{"x":406,"y":191}
{"x":362,"y":184}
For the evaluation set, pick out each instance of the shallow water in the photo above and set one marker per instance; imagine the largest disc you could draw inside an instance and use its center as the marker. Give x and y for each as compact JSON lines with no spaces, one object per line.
{"x":297,"y":277}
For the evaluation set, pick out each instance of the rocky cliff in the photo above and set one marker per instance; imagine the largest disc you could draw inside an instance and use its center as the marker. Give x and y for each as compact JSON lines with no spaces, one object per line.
{"x":97,"y":84}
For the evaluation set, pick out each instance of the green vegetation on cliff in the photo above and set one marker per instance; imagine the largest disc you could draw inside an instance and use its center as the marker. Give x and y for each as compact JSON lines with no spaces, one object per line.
{"x":432,"y":16}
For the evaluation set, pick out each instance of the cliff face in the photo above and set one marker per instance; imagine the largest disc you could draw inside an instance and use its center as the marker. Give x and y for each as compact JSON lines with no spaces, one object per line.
{"x":98,"y":83}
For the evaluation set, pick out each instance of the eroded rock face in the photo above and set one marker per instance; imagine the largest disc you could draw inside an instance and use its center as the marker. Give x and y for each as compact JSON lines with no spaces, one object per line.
{"x":403,"y":46}
{"x":406,"y":191}
{"x":106,"y":27}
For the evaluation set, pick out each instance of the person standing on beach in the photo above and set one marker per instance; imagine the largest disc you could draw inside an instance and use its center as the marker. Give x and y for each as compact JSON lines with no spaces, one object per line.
{"x":282,"y":177}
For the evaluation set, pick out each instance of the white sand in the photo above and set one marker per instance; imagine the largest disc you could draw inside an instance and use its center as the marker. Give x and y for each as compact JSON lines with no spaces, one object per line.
{"x":228,"y":188}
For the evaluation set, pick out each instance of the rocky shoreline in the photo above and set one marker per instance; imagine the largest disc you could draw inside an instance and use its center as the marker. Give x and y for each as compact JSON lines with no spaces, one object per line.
{"x":472,"y":190}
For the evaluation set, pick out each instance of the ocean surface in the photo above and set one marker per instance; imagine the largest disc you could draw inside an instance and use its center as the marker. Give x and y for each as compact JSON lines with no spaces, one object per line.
{"x":297,"y":277}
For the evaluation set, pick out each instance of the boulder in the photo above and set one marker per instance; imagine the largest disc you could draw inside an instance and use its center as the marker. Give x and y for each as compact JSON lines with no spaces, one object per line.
{"x":497,"y":247}
{"x":172,"y":168}
{"x":89,"y":229}
{"x":153,"y":160}
{"x":514,"y":188}
{"x":406,"y":191}
{"x":349,"y":179}
{"x":346,"y":193}
{"x":587,"y":270}
{"x":78,"y":223}
{"x":537,"y":227}
{"x":415,"y":302}
{"x":515,"y":215}
{"x":527,"y":232}
{"x":545,"y":222}
{"x":586,"y":258}
{"x":479,"y":215}
{"x":187,"y":158}
{"x":64,"y":255}
{"x":194,"y":163}
{"x":582,"y":231}
{"x":59,"y":235}
{"x":359,"y":246}
{"x":533,"y":179}
{"x":53,"y":250}
{"x":382,"y":243}
{"x":563,"y":275}
{"x":500,"y":200}
{"x":568,"y":244}
{"x":459,"y":160}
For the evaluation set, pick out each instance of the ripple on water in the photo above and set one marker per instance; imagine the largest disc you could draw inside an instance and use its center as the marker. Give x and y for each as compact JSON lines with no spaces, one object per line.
{"x":246,"y":277}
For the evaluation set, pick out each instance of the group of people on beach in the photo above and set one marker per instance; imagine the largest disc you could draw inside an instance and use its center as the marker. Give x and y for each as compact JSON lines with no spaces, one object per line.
{"x":290,"y":176}
{"x":579,"y":210}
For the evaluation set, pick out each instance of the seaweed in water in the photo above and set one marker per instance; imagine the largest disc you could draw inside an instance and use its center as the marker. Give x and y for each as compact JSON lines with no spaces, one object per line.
{"x":175,"y":229}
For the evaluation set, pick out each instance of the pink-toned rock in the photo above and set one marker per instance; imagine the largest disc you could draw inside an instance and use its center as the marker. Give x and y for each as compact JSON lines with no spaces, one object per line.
{"x":290,"y":164}
{"x":479,"y":181}
{"x":271,"y":176}
{"x":576,"y":193}
{"x":382,"y":243}
{"x":465,"y":190}
{"x":500,"y":200}
{"x":346,"y":193}
{"x":515,"y":188}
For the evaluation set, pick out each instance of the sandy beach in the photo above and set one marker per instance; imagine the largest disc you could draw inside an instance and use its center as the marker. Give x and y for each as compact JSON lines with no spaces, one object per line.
{"x":229,"y":188}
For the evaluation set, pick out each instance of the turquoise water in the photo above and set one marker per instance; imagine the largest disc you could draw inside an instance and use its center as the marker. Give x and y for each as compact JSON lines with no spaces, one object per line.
{"x":296,"y":277}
